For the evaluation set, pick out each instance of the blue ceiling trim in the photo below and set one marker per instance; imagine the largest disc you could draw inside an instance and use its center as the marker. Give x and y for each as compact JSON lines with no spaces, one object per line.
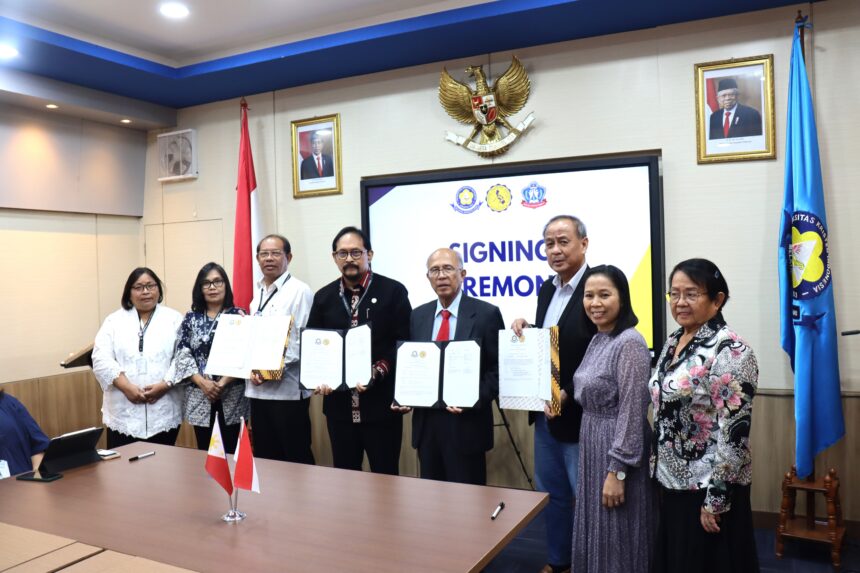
{"x":460,"y":33}
{"x":32,"y":36}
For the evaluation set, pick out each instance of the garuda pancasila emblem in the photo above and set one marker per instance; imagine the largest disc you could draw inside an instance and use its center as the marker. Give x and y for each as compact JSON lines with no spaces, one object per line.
{"x":486,"y":108}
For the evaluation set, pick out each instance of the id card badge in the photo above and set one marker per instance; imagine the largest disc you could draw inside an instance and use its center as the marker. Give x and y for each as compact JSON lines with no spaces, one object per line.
{"x":4,"y":469}
{"x":140,"y":364}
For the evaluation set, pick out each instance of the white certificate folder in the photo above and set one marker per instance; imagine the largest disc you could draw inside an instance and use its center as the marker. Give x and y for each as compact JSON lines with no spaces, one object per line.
{"x":525,"y":369}
{"x":340,"y":359}
{"x":438,"y":374}
{"x":246,"y":343}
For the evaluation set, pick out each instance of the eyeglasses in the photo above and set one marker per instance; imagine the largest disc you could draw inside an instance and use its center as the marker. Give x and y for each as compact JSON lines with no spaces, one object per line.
{"x":354,"y":253}
{"x":216,"y":284}
{"x":144,"y":288}
{"x":690,"y":296}
{"x":446,"y":270}
{"x":270,"y":254}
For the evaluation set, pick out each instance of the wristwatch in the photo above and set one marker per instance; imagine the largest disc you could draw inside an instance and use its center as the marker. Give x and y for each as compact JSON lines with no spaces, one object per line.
{"x":620,"y":475}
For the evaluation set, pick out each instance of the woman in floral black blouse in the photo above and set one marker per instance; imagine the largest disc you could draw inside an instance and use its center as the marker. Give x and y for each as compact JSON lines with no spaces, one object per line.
{"x":206,"y":397}
{"x":702,"y":393}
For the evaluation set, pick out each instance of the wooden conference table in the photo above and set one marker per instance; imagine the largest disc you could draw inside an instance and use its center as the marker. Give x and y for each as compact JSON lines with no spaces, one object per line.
{"x":307,"y":518}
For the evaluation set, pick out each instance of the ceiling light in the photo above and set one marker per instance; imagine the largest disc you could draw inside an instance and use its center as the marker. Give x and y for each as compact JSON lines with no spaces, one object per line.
{"x":7,"y":52}
{"x":52,"y":106}
{"x":125,"y":120}
{"x":173,"y":10}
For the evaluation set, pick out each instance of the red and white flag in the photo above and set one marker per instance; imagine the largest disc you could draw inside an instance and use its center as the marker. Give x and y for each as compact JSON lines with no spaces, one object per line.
{"x":245,"y":474}
{"x":247,"y":230}
{"x":216,"y":460}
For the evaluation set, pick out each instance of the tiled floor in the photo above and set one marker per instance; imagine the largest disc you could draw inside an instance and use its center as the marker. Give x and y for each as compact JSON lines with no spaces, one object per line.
{"x":525,"y":554}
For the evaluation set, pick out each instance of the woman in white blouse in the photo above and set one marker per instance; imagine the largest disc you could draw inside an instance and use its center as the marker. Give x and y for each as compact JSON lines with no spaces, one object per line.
{"x":131,"y":360}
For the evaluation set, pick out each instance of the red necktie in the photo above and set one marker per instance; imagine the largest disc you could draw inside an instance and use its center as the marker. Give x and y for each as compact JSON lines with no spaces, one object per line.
{"x":726,"y":124}
{"x":445,"y":328}
{"x":319,"y":158}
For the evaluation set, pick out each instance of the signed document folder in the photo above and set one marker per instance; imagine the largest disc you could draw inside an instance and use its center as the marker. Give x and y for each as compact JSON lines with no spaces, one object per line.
{"x":528,"y":375}
{"x":246,"y":343}
{"x":340,"y":359}
{"x":438,"y":374}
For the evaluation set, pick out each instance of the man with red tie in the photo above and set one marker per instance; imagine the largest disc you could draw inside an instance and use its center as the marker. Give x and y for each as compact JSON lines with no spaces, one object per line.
{"x":452,"y":443}
{"x":733,"y":119}
{"x":317,"y":164}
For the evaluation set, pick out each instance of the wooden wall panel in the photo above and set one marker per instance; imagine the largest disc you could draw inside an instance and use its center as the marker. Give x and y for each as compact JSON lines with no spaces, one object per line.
{"x":69,"y":402}
{"x":772,"y":442}
{"x":186,"y":438}
{"x":28,"y":394}
{"x":72,"y":401}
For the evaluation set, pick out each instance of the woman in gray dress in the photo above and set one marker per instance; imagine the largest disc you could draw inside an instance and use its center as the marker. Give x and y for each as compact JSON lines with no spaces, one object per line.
{"x":614,"y":516}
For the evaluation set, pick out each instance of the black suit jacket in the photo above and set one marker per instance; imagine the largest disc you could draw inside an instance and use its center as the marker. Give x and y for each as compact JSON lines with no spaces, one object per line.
{"x":309,"y":167}
{"x":574,"y":334}
{"x":476,"y":320}
{"x":386,"y":306}
{"x":745,"y":123}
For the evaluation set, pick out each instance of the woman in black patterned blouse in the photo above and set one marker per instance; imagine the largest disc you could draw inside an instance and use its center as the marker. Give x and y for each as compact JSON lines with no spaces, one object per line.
{"x":205,"y":396}
{"x":702,"y":392}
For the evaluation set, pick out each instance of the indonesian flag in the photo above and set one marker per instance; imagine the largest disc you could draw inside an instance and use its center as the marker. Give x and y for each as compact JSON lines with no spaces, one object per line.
{"x":711,"y":94}
{"x":247,"y":229}
{"x":216,"y":460}
{"x":245,"y":474}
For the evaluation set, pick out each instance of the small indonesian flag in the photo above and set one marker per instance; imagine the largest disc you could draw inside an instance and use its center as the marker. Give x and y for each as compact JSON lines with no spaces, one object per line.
{"x":216,"y":460}
{"x":245,"y":475}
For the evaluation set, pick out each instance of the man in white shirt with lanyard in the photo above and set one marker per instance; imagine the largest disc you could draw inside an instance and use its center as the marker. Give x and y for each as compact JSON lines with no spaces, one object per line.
{"x":280,"y":417}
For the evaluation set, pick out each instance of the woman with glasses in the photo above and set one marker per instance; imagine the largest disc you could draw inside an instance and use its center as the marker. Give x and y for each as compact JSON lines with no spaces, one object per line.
{"x":702,"y":393}
{"x":207,"y":396}
{"x":132,"y":363}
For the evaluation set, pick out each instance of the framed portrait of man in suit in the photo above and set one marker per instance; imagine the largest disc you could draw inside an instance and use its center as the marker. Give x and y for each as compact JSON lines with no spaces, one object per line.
{"x":734,"y":110}
{"x":316,"y":156}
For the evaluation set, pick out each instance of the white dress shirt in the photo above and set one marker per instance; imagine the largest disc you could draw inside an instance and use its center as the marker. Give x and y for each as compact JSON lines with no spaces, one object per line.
{"x":116,"y":351}
{"x":561,"y":297}
{"x":287,"y":295}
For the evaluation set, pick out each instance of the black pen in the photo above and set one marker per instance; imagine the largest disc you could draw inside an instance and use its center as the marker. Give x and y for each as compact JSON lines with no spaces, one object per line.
{"x":147,"y":454}
{"x":498,"y":510}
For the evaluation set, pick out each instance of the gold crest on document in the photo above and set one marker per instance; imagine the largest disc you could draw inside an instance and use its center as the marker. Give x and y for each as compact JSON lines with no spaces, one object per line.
{"x":486,"y":108}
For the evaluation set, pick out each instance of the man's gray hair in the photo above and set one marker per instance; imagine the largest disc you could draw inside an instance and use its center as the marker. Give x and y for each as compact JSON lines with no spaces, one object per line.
{"x":578,"y":225}
{"x":456,"y":254}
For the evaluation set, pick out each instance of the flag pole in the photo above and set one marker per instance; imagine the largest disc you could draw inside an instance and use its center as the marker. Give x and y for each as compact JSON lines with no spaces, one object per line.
{"x":799,"y":20}
{"x":234,"y":514}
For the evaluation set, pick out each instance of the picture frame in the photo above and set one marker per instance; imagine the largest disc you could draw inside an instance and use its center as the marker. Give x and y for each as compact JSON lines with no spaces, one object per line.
{"x":745,"y":87}
{"x":317,"y":137}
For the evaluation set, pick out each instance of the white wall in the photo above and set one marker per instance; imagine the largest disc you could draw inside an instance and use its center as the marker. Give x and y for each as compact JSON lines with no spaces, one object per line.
{"x":625,"y":93}
{"x":54,"y":162}
{"x":60,"y":275}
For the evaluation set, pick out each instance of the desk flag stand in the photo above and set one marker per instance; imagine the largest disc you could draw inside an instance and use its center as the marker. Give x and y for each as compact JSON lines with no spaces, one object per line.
{"x":244,"y":474}
{"x":234,"y":514}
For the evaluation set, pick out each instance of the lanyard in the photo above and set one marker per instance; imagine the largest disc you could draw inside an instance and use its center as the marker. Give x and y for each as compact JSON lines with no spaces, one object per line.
{"x":208,"y":334}
{"x":352,"y":311}
{"x":142,"y":331}
{"x":263,"y":292}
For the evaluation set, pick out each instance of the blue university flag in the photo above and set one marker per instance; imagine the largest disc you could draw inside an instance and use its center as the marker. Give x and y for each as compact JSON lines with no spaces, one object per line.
{"x":807,"y":315}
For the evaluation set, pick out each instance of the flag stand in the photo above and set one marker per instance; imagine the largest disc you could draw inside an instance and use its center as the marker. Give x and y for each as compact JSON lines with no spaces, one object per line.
{"x":234,"y":515}
{"x":830,"y":531}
